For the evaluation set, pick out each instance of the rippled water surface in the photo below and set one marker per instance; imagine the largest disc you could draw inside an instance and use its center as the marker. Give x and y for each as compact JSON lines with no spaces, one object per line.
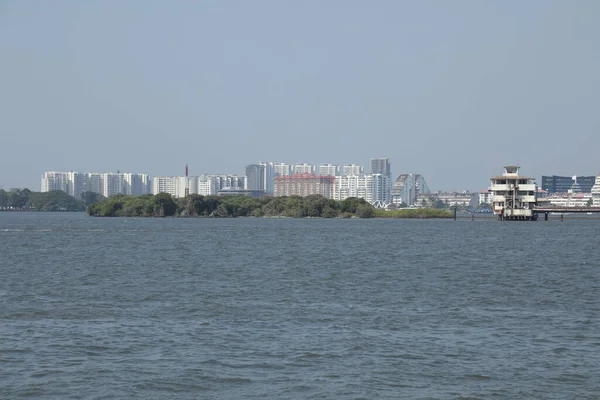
{"x":298,"y":309}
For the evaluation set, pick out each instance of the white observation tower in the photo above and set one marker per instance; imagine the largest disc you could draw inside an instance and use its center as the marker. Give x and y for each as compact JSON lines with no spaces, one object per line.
{"x":513,"y":196}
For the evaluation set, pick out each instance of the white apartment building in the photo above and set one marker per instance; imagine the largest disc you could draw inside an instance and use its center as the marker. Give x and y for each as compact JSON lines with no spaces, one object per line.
{"x":268,"y":177}
{"x":381,"y":190}
{"x":206,"y":186}
{"x":209,"y":185}
{"x":351,"y":169}
{"x":106,"y":184}
{"x":374,"y":188}
{"x":485,"y":197}
{"x":328,"y":170}
{"x":302,"y":169}
{"x":345,"y":186}
{"x":58,"y":181}
{"x":596,"y":192}
{"x":282,"y":169}
{"x":175,"y":185}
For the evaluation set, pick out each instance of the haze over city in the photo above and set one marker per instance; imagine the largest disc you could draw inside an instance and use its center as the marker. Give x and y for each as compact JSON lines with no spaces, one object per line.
{"x":450,"y":90}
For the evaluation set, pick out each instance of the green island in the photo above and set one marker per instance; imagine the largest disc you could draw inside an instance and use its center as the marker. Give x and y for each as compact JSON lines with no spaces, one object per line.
{"x":316,"y":206}
{"x":164,"y":205}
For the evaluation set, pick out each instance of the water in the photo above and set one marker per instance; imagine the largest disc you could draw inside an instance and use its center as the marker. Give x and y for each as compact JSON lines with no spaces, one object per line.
{"x":297,"y":309}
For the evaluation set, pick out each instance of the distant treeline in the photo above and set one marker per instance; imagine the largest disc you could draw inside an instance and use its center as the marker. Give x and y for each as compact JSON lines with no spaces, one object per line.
{"x":163,"y":205}
{"x":56,"y":200}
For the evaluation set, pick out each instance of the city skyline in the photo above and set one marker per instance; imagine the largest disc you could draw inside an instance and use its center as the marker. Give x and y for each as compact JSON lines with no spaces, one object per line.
{"x":540,"y":182}
{"x":451,"y":91}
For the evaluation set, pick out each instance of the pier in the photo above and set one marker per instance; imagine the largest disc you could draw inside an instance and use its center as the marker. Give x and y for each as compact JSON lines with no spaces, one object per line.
{"x":546,"y":210}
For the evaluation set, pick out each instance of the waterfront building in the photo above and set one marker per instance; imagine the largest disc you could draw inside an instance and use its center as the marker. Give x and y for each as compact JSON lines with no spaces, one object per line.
{"x":93,"y":182}
{"x":513,"y":195}
{"x":381,"y":195}
{"x":485,"y":197}
{"x":596,"y":192}
{"x":260,"y":177}
{"x":304,"y":185}
{"x":562,"y":184}
{"x":255,"y":177}
{"x":268,"y":175}
{"x":407,"y":188}
{"x":53,"y":180}
{"x":210,"y":185}
{"x":206,"y":185}
{"x":175,"y":185}
{"x":566,"y":200}
{"x":139,"y":184}
{"x":381,"y":173}
{"x":106,"y":184}
{"x":346,"y":186}
{"x":458,"y":199}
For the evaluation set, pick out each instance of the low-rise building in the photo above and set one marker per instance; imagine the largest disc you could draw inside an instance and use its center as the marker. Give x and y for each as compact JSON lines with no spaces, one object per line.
{"x":566,"y":200}
{"x":596,"y":192}
{"x":456,"y":199}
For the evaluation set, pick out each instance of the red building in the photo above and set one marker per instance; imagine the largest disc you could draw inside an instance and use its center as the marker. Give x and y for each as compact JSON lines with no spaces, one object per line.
{"x":304,"y":185}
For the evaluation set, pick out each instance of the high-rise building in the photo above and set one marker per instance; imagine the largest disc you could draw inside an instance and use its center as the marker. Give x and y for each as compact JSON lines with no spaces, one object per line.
{"x":106,"y":184}
{"x":382,"y":181}
{"x":303,"y":169}
{"x":268,"y":175}
{"x":206,"y":185}
{"x":562,"y":184}
{"x":352,"y":169}
{"x":56,"y":181}
{"x":407,"y":188}
{"x":380,"y":166}
{"x":346,"y":186}
{"x":380,"y":190}
{"x":328,"y":170}
{"x":282,"y":169}
{"x":304,"y":185}
{"x":255,"y":177}
{"x":93,"y":183}
{"x":175,"y":185}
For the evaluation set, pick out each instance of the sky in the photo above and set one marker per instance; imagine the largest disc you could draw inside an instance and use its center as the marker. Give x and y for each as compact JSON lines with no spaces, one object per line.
{"x":452,"y":90}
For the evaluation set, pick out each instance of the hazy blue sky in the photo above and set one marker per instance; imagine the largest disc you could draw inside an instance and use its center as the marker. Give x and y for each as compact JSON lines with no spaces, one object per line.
{"x":453,"y":90}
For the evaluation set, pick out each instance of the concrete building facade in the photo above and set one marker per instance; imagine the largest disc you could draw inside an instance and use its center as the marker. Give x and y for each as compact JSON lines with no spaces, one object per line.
{"x":304,"y":185}
{"x":562,"y":184}
{"x":106,"y":184}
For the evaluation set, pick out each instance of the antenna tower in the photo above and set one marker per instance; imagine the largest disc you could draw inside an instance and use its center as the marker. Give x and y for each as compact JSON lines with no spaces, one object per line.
{"x":187,"y":182}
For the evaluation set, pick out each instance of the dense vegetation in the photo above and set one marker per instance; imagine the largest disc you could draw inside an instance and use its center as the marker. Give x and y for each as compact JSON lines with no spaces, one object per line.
{"x":163,"y":205}
{"x":414,"y":213}
{"x":25,"y":199}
